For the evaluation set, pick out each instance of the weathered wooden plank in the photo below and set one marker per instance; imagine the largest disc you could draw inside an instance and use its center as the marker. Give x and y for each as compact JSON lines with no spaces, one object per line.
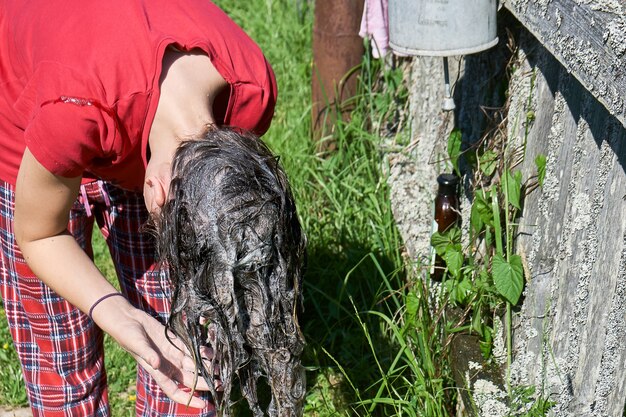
{"x":605,"y":327}
{"x":588,"y":37}
{"x":614,"y":363}
{"x":588,"y":326}
{"x":570,"y":332}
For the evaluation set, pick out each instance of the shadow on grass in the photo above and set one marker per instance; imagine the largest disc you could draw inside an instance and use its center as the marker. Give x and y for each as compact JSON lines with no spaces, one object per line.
{"x":341,"y":287}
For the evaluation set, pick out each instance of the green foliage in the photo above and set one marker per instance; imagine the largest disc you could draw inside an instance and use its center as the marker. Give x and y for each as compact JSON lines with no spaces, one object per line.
{"x":481,"y":280}
{"x":481,"y":214}
{"x":488,"y":162}
{"x":442,"y":242}
{"x":412,"y":375}
{"x":508,"y":276}
{"x":12,"y":389}
{"x":448,"y":246}
{"x":526,"y":403}
{"x":484,"y":275}
{"x":454,"y":149}
{"x":365,"y":327}
{"x":494,"y":273}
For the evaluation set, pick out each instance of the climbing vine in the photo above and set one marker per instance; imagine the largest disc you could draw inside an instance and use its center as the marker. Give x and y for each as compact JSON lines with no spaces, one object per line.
{"x":485,"y":277}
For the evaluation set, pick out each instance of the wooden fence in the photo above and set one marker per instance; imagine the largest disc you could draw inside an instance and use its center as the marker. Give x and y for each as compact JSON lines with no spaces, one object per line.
{"x":570,"y":332}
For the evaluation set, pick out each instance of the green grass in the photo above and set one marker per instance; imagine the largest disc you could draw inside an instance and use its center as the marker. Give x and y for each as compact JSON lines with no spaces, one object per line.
{"x":12,"y":390}
{"x":373,"y":347}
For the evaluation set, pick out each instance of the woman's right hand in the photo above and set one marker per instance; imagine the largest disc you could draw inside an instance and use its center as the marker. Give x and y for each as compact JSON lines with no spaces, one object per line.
{"x":166,"y":359}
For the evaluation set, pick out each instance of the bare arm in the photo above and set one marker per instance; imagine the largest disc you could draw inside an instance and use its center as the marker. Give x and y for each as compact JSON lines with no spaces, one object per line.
{"x":42,"y":206}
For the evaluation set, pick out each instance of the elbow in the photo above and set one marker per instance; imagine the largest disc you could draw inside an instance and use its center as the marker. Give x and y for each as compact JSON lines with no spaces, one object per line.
{"x":20,"y":233}
{"x":19,"y":230}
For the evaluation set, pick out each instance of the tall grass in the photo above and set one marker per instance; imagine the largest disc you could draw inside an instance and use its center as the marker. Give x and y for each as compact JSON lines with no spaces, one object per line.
{"x":373,"y":345}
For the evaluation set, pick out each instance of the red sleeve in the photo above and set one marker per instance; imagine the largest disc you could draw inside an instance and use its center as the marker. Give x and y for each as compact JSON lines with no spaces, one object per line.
{"x":251,"y":107}
{"x":67,"y":137}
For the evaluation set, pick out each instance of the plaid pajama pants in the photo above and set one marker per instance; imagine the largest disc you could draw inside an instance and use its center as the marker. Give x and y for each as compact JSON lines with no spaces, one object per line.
{"x":60,"y":348}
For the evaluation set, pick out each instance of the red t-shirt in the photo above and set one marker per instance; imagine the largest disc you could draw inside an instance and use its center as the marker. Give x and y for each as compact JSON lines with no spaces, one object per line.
{"x":79,"y":80}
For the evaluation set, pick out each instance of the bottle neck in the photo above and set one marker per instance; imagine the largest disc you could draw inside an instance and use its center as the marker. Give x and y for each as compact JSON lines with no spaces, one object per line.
{"x":447,"y":184}
{"x":447,"y":189}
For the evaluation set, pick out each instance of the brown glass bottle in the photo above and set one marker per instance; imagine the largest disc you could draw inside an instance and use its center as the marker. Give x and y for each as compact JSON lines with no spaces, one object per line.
{"x":446,"y":215}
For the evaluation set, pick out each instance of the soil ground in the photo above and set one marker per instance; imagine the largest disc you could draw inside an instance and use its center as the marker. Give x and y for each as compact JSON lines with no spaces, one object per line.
{"x":16,"y":412}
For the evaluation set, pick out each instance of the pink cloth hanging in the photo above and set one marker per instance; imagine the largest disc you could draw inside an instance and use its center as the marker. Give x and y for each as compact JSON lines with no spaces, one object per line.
{"x":375,"y":26}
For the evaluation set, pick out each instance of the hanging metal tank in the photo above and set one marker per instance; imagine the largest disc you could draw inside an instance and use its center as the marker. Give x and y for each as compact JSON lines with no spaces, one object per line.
{"x":442,"y":27}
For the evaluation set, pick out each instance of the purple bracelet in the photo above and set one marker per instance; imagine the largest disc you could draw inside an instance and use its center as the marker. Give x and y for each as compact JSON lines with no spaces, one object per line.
{"x":101,"y":299}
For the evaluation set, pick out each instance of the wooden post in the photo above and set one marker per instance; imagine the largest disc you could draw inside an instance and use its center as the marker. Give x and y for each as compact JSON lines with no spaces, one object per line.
{"x":337,"y":51}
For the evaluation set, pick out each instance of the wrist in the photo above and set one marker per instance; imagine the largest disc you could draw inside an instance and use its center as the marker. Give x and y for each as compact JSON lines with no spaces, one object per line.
{"x":101,"y":300}
{"x":112,"y":310}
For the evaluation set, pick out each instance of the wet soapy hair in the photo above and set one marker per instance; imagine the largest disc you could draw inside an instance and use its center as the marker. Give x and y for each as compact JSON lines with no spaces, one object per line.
{"x":231,"y":239}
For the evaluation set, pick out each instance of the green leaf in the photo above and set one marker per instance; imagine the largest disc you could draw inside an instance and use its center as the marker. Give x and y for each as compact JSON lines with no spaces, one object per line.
{"x":540,"y":161}
{"x":476,"y":324}
{"x":512,"y":185}
{"x":454,"y":259}
{"x":486,"y":344}
{"x":481,"y":209}
{"x":441,"y":241}
{"x":454,"y":148}
{"x":508,"y":277}
{"x":488,"y":162}
{"x":476,"y":222}
{"x":448,"y":246}
{"x":454,"y":235}
{"x":412,"y":304}
{"x":460,"y":291}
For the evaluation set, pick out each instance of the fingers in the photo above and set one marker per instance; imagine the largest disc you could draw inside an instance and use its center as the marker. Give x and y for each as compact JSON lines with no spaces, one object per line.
{"x":210,"y":366}
{"x":169,"y":364}
{"x":181,"y":368}
{"x":171,"y":388}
